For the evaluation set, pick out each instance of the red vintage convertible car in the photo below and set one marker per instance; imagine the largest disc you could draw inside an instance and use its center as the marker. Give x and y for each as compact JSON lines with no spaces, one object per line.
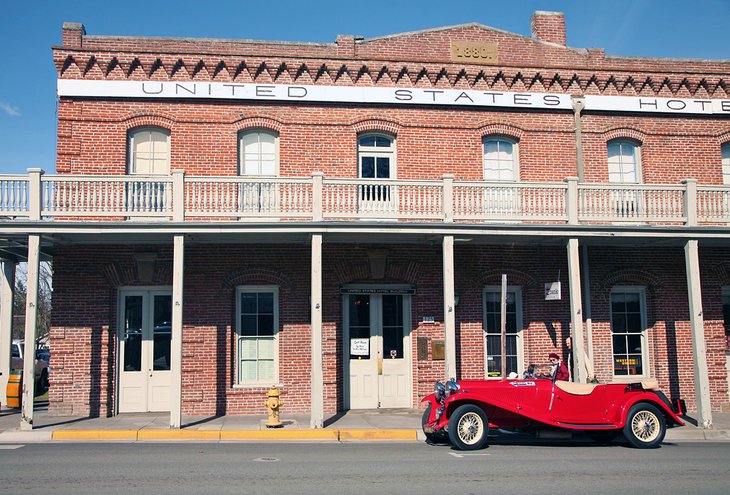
{"x":463,"y":411}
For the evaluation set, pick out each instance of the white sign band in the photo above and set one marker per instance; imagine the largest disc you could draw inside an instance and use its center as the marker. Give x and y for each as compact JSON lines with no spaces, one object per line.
{"x":370,"y":94}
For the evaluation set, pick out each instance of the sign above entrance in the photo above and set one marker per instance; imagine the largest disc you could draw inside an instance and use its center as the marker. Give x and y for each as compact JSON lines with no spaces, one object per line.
{"x":370,"y":94}
{"x":380,"y":290}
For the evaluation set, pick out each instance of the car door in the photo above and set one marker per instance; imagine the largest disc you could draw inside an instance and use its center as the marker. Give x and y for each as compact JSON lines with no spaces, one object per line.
{"x":588,"y":409}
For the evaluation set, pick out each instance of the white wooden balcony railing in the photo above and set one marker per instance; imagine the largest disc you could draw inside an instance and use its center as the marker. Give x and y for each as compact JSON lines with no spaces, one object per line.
{"x":36,"y":196}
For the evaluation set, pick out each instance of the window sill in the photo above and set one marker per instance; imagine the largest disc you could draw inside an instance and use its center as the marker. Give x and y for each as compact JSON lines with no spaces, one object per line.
{"x":256,"y":386}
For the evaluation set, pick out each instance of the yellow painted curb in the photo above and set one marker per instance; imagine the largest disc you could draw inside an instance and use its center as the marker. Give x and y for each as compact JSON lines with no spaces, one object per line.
{"x":179,"y":435}
{"x":346,"y":435}
{"x":279,"y":435}
{"x":94,"y":435}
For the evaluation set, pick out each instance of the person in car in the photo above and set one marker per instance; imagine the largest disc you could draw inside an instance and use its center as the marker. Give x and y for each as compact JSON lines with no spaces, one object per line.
{"x":558,"y":369}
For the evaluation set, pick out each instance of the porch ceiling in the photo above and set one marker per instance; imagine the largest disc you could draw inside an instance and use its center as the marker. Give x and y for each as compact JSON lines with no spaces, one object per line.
{"x":14,"y":236}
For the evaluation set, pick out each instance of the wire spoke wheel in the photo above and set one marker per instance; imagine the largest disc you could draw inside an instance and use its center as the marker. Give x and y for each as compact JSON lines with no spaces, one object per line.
{"x":645,"y":426}
{"x":470,"y":428}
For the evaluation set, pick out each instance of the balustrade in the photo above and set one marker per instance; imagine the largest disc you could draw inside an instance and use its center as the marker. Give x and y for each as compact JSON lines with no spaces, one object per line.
{"x":178,"y":197}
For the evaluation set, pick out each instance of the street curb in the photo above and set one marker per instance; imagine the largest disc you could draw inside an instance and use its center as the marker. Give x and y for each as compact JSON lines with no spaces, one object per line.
{"x":359,"y":435}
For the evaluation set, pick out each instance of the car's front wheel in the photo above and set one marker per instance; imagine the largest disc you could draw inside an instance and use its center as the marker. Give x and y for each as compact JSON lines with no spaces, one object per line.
{"x":468,"y":427}
{"x":645,"y":426}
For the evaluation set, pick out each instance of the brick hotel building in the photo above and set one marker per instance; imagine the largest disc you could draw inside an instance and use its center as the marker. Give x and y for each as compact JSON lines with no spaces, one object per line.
{"x":338,"y":219}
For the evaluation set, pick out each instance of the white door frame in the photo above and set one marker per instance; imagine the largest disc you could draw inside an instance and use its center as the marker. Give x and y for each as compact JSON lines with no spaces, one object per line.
{"x":371,"y":290}
{"x":148,"y":293}
{"x":521,"y":365}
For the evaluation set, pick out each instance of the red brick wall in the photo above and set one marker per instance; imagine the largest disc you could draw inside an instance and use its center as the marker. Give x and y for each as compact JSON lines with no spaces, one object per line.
{"x":85,"y":300}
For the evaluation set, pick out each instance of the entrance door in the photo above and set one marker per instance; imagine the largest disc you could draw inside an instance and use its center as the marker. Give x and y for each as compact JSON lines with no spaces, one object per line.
{"x":378,"y":350}
{"x":144,"y":350}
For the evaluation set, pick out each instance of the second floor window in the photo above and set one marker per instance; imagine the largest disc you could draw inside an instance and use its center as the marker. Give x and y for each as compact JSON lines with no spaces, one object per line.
{"x":624,"y":162}
{"x":500,"y":159}
{"x":376,"y":156}
{"x":258,"y":153}
{"x":149,"y":151}
{"x":726,"y":164}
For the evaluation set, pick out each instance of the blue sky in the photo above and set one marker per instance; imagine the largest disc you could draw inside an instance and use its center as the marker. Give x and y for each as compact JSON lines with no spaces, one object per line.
{"x":655,"y":28}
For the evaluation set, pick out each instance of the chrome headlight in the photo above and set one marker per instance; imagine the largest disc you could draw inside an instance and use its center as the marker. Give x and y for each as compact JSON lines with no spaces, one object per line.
{"x":452,"y":387}
{"x":439,"y":390}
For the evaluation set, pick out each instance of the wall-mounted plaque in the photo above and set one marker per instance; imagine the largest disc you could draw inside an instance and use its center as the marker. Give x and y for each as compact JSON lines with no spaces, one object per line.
{"x":438,"y":350}
{"x":422,"y":345}
{"x":474,"y":52}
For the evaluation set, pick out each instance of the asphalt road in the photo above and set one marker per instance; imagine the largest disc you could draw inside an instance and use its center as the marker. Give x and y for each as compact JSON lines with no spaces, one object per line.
{"x":359,"y":468}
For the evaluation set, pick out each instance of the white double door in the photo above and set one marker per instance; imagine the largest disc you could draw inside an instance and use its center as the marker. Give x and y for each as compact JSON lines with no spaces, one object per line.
{"x":144,"y":350}
{"x":377,"y":350}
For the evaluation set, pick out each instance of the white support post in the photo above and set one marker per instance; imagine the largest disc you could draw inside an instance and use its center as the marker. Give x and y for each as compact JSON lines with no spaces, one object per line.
{"x":690,"y":201}
{"x":317,"y":196}
{"x":31,"y":319}
{"x":35,"y":193}
{"x":571,"y":200}
{"x":7,"y":290}
{"x":178,"y":265}
{"x":448,"y":197}
{"x":449,"y":303}
{"x":178,"y":196}
{"x":317,"y":386}
{"x":576,"y":312}
{"x":699,"y":350}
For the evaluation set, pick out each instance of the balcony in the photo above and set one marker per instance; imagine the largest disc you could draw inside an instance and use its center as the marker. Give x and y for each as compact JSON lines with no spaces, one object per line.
{"x":180,"y":198}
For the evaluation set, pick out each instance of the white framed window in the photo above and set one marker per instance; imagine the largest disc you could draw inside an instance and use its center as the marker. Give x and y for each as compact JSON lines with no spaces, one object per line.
{"x":258,"y":157}
{"x":149,"y":151}
{"x":501,"y":162}
{"x":257,"y":328}
{"x":258,"y":153}
{"x":624,"y":162}
{"x":629,"y":332}
{"x":726,"y":163}
{"x":376,"y":158}
{"x":492,"y":301}
{"x":624,"y":167}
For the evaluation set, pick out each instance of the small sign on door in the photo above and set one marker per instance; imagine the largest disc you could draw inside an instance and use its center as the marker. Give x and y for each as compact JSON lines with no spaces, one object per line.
{"x":360,"y":347}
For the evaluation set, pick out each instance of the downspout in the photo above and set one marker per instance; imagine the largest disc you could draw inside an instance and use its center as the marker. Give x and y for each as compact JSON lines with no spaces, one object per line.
{"x":578,"y":106}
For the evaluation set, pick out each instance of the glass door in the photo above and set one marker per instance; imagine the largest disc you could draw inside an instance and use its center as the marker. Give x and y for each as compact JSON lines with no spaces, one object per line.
{"x":144,"y":350}
{"x":378,"y":350}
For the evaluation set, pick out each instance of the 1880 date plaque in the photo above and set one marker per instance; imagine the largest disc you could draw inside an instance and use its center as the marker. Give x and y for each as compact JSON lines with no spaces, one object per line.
{"x":475,"y":52}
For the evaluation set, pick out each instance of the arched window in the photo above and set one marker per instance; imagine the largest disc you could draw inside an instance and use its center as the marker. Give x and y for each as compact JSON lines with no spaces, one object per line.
{"x":624,"y":162}
{"x":726,"y":163}
{"x":258,"y":153}
{"x":376,"y":156}
{"x":149,"y":151}
{"x":376,"y":161}
{"x":500,"y":159}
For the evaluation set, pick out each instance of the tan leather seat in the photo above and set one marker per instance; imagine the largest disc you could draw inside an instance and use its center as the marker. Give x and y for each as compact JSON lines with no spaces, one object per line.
{"x":650,"y":384}
{"x":575,"y":388}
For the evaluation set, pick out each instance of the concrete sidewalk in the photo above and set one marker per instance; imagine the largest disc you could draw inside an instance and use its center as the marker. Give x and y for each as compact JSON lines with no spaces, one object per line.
{"x":376,"y":425}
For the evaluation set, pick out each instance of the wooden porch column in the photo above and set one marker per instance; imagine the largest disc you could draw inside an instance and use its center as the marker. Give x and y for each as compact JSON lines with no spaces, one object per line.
{"x":7,"y":290}
{"x":576,"y":312}
{"x":178,"y":264}
{"x":449,"y":311}
{"x":31,"y":319}
{"x":699,"y":350}
{"x":317,"y":386}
